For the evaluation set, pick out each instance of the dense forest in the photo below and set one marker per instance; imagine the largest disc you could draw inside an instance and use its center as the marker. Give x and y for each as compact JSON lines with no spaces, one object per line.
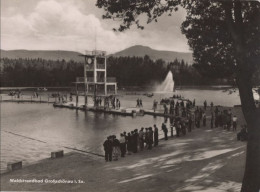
{"x":129,"y":71}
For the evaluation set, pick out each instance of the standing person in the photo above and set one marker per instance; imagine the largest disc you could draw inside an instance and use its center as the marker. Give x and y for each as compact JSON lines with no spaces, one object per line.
{"x":189,"y":122}
{"x":178,"y":128}
{"x":114,"y":102}
{"x":212,"y":120}
{"x":141,"y":103}
{"x":141,"y":139}
{"x":137,"y":103}
{"x":204,"y":119}
{"x":216,"y":119}
{"x":171,"y":109}
{"x":200,"y":113}
{"x":71,"y":97}
{"x":108,"y":148}
{"x":154,"y":105}
{"x":122,"y":144}
{"x":150,"y":143}
{"x":192,"y":120}
{"x":182,"y":104}
{"x":119,"y":104}
{"x":197,"y":118}
{"x":205,"y":105}
{"x":171,"y":127}
{"x":216,"y":111}
{"x":211,"y":106}
{"x":229,"y":119}
{"x":173,"y":104}
{"x":224,"y":119}
{"x":177,"y":110}
{"x":135,"y":141}
{"x":156,"y":135}
{"x":116,"y":148}
{"x":183,"y":127}
{"x":165,"y":109}
{"x":234,"y":119}
{"x":165,"y":130}
{"x":108,"y":102}
{"x":129,"y":143}
{"x":220,"y":119}
{"x":146,"y":137}
{"x":194,"y":103}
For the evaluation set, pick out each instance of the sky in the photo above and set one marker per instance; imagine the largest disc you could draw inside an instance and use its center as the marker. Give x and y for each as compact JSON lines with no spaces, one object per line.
{"x":77,"y":25}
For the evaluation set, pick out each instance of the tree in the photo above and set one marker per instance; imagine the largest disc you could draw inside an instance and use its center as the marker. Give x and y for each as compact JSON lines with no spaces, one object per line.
{"x":224,"y":36}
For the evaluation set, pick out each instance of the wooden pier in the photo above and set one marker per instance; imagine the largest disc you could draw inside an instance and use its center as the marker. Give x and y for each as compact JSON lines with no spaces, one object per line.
{"x":131,"y":111}
{"x":122,"y":111}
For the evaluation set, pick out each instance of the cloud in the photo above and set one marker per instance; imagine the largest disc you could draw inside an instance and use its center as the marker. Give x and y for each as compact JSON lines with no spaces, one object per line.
{"x":54,"y":24}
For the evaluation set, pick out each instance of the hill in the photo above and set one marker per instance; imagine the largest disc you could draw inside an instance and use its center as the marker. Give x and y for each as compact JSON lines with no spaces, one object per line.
{"x":140,"y":51}
{"x":43,"y":54}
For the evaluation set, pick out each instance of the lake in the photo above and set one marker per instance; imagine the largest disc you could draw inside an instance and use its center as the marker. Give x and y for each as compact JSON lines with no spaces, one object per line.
{"x":31,"y":131}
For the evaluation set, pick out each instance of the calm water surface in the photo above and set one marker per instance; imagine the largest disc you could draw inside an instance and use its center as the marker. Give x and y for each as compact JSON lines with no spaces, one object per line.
{"x":57,"y":127}
{"x":30,"y":132}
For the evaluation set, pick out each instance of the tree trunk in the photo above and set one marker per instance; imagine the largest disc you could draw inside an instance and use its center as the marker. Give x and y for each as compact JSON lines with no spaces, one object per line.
{"x":251,"y":180}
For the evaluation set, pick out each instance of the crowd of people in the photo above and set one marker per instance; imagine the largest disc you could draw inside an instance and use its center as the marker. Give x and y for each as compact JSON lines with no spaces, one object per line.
{"x":191,"y":116}
{"x":224,"y":119}
{"x":109,"y":101}
{"x":16,"y":93}
{"x":129,"y":143}
{"x":61,"y":97}
{"x":139,"y":102}
{"x":146,"y":138}
{"x":113,"y":101}
{"x":177,"y":108}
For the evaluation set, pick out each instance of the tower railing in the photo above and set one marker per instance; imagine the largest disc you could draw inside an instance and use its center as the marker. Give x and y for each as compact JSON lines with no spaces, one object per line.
{"x":96,"y":53}
{"x":89,"y":67}
{"x":111,"y":79}
{"x":100,"y":66}
{"x":81,"y":79}
{"x":99,"y":79}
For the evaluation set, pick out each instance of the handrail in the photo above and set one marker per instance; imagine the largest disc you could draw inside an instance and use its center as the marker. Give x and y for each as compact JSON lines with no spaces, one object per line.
{"x":99,"y":79}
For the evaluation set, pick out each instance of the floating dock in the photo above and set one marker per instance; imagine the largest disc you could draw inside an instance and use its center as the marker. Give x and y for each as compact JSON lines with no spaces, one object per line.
{"x":122,"y":111}
{"x":131,"y":111}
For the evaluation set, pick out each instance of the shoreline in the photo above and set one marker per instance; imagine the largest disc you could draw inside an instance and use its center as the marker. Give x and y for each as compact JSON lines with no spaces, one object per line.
{"x":125,"y":88}
{"x":157,"y":167}
{"x":204,"y":159}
